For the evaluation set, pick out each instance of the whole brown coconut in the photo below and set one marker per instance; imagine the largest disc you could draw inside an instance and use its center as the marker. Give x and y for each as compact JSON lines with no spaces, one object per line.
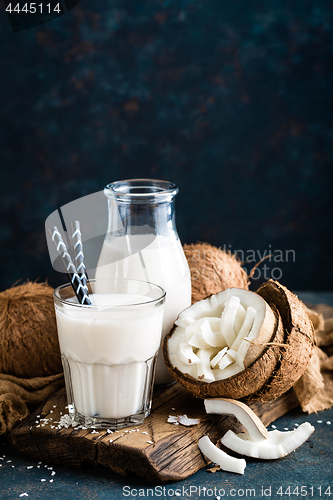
{"x":298,"y":340}
{"x":213,"y":270}
{"x":28,"y":333}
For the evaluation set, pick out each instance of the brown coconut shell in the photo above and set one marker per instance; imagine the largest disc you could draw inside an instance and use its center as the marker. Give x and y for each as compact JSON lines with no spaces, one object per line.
{"x":298,"y":341}
{"x":213,"y":270}
{"x":243,"y":383}
{"x":29,"y":344}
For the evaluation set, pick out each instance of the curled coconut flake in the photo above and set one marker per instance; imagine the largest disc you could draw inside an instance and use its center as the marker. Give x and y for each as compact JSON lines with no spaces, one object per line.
{"x":184,"y":322}
{"x":225,"y":461}
{"x":228,"y":320}
{"x":187,"y":355}
{"x":213,"y":339}
{"x":216,"y":360}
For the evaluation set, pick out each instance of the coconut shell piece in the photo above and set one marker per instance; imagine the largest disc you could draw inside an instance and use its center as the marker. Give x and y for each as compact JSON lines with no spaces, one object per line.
{"x":29,"y":344}
{"x":213,"y":270}
{"x":298,"y":341}
{"x":242,"y":384}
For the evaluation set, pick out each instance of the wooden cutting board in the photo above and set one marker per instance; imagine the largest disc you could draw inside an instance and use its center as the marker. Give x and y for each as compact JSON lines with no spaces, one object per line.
{"x":157,"y":450}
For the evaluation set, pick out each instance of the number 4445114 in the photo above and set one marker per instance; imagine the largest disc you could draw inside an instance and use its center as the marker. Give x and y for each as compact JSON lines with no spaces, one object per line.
{"x":305,"y":491}
{"x":32,"y":8}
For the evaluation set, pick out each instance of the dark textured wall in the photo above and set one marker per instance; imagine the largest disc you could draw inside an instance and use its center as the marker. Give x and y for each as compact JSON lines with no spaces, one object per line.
{"x":230,"y":100}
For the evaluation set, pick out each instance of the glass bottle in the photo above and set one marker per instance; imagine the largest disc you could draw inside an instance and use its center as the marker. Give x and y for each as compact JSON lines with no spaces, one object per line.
{"x":142,"y":243}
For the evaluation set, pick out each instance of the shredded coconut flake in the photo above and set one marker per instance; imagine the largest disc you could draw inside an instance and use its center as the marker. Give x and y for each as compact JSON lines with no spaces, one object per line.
{"x":182,"y":419}
{"x":185,"y":420}
{"x":65,"y":421}
{"x":172,"y":419}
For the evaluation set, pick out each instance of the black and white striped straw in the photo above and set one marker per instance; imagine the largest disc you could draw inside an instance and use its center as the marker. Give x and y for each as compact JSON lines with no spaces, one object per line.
{"x":77,"y":252}
{"x":70,"y":269}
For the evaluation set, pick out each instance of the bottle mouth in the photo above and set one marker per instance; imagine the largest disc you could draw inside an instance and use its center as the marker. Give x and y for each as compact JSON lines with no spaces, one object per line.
{"x":141,"y":191}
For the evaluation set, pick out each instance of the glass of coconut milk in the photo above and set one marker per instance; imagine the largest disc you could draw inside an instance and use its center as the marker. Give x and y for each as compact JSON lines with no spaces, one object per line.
{"x":142,"y":243}
{"x":109,"y":350}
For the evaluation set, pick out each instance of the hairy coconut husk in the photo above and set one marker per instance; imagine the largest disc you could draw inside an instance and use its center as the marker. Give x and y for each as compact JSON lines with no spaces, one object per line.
{"x":317,"y":320}
{"x":298,"y":340}
{"x":213,"y":270}
{"x":243,"y":383}
{"x":29,"y":344}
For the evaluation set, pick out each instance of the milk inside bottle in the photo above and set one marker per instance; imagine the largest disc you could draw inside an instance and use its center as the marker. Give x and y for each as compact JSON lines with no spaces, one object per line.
{"x":142,"y":243}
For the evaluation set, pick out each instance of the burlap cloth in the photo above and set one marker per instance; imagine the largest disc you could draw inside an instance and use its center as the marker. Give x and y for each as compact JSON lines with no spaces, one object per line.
{"x":315,"y":388}
{"x":19,"y":396}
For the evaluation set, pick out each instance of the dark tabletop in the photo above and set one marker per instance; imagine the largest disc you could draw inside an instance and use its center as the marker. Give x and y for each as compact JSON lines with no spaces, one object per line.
{"x":305,"y":473}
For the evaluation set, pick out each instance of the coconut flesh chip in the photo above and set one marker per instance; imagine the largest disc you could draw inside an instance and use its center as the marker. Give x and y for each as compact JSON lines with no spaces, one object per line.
{"x":243,"y":413}
{"x":257,"y":442}
{"x":277,"y":445}
{"x":222,"y":335}
{"x":225,"y":461}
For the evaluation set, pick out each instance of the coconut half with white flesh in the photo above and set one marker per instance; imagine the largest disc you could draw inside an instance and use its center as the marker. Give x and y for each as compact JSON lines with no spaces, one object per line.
{"x":240,"y":344}
{"x":225,"y":345}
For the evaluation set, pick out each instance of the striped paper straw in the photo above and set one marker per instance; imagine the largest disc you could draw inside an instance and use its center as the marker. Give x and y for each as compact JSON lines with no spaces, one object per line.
{"x":67,"y":262}
{"x":77,"y":247}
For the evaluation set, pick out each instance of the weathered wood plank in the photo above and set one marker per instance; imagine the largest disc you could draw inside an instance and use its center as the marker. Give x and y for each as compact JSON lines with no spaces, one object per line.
{"x":173,"y":456}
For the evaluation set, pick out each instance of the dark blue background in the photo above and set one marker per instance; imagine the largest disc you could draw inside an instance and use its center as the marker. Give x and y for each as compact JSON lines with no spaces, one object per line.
{"x":231,"y":100}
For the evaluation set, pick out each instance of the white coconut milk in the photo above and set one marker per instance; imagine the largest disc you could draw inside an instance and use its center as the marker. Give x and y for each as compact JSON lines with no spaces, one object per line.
{"x":107,"y":354}
{"x":153,"y":258}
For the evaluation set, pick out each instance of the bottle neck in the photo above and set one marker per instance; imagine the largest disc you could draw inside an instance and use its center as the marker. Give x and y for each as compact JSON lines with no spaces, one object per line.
{"x":142,"y":207}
